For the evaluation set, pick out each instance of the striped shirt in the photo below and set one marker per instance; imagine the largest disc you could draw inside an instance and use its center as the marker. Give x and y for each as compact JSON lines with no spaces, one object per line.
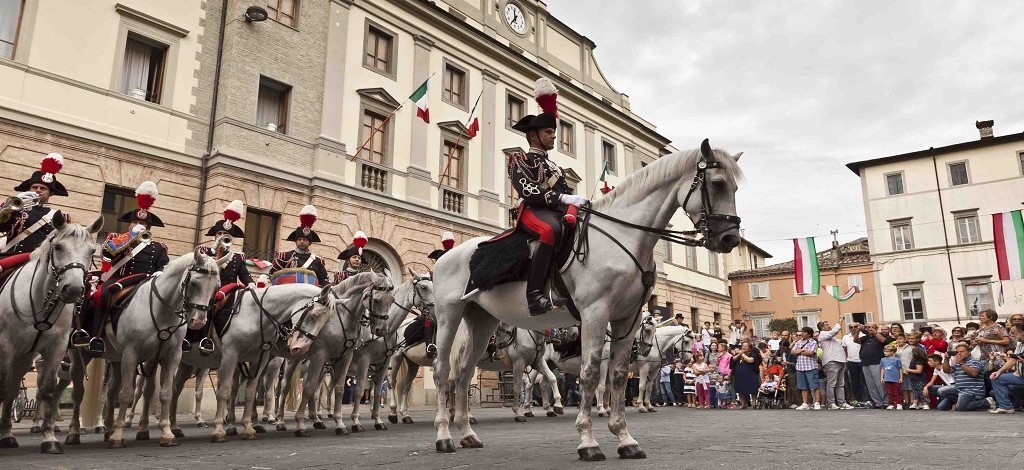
{"x":974,"y":386}
{"x":806,"y":362}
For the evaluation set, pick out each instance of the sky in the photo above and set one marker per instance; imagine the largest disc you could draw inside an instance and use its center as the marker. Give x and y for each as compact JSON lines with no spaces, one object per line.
{"x":803,"y":88}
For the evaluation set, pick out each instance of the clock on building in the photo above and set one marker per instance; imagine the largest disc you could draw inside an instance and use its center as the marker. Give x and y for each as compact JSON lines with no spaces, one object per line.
{"x":515,"y":18}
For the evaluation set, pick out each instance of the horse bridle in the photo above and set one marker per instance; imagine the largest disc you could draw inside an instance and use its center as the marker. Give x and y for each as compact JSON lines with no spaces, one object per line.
{"x":51,"y":299}
{"x":164,"y":334}
{"x":367,"y":306}
{"x":707,"y":213}
{"x":422,"y":306}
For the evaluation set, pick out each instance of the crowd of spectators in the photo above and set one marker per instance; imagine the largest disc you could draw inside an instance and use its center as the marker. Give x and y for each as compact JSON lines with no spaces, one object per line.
{"x":977,"y":366}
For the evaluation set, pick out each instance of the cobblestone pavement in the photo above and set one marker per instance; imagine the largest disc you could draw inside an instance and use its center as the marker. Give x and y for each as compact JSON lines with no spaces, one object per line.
{"x":713,"y":439}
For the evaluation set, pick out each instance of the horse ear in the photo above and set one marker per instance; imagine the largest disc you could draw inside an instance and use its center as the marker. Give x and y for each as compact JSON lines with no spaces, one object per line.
{"x":196,"y":257}
{"x":736,"y":157}
{"x":325,"y":291}
{"x":58,"y":222}
{"x":706,"y":151}
{"x":96,"y":226}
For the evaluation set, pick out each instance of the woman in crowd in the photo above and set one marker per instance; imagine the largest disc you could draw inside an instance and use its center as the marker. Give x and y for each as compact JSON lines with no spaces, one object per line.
{"x":956,"y":336}
{"x":703,"y":381}
{"x":746,"y":366}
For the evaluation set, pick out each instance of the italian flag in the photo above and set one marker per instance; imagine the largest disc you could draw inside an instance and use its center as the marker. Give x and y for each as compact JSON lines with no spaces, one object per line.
{"x":1008,"y":231}
{"x":604,"y":178}
{"x":420,"y":98}
{"x":474,"y":122}
{"x":805,"y":260}
{"x":834,"y":292}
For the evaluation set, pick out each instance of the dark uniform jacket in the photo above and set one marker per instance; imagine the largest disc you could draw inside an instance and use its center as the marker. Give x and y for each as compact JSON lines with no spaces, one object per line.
{"x":344,"y":274}
{"x":538,"y":180}
{"x":294,"y":259}
{"x":234,"y":271}
{"x":20,"y":221}
{"x":151,"y":259}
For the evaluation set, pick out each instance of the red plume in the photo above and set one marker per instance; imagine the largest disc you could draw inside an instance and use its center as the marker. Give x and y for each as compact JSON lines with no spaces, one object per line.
{"x":233,"y":211}
{"x":359,"y":240}
{"x":546,"y":94}
{"x":447,"y":240}
{"x":145,"y":194}
{"x":52,"y":163}
{"x":307,"y":216}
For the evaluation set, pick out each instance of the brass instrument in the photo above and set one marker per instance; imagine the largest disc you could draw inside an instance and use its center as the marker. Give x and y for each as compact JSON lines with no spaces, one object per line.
{"x":21,"y":202}
{"x":224,"y":242}
{"x":144,"y":236}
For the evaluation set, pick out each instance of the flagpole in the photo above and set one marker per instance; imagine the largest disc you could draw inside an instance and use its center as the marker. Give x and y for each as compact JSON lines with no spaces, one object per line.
{"x":384,"y":122}
{"x":448,"y":163}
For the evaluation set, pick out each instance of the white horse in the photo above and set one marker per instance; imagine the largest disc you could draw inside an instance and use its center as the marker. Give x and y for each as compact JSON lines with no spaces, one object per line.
{"x":336,"y":341}
{"x":37,"y":303}
{"x":658,"y":352}
{"x":372,"y":358}
{"x":608,"y":289}
{"x":517,"y":349}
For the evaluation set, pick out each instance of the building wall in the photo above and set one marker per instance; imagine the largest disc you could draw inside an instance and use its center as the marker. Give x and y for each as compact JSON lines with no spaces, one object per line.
{"x":938,"y":263}
{"x":782,"y":301}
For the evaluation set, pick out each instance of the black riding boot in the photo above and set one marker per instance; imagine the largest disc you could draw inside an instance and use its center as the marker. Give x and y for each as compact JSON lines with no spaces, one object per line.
{"x":536,"y":284}
{"x":428,"y":336}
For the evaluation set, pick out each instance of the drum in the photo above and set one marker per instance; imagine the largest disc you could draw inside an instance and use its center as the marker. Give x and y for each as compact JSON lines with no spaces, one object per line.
{"x":294,"y":276}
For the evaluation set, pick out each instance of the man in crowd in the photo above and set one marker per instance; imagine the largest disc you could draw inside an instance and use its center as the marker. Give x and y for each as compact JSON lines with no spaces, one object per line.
{"x":833,"y":363}
{"x":807,"y":378}
{"x":968,"y":374}
{"x":871,"y":352}
{"x":853,"y":365}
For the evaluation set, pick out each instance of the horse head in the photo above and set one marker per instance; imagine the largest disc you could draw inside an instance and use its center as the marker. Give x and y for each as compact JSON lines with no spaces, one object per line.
{"x":685,"y":342}
{"x":711,"y":199}
{"x":422,"y":292}
{"x":645,"y":336}
{"x":309,"y":320}
{"x":376,"y":302}
{"x":68,"y":251}
{"x":200,"y":282}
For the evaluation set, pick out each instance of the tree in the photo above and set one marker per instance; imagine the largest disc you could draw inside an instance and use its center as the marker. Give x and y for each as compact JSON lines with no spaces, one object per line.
{"x":782,"y":324}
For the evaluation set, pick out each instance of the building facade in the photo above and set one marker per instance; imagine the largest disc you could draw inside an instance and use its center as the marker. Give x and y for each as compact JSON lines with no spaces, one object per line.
{"x":309,"y":107}
{"x":929,"y":219}
{"x":763,"y":294}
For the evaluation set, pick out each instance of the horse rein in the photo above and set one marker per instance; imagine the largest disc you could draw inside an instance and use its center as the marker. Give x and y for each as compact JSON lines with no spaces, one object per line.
{"x":164,"y":334}
{"x":51,"y":300}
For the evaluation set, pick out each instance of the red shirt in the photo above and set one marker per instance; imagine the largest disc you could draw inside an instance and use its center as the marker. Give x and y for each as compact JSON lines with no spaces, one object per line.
{"x":935,"y":345}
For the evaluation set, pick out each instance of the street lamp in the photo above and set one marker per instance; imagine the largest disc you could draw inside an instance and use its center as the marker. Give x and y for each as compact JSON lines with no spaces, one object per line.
{"x":255,"y":14}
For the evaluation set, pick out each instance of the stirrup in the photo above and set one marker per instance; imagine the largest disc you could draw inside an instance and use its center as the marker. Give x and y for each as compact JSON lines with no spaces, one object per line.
{"x":206,"y":346}
{"x":97,"y":346}
{"x":186,"y":345}
{"x":431,"y":350}
{"x":80,"y":338}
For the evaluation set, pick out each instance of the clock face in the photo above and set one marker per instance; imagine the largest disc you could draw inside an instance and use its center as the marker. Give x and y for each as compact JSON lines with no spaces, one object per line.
{"x":515,"y":18}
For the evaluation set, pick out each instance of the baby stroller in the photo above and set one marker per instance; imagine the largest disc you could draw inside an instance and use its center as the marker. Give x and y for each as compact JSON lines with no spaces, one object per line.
{"x":772,"y":393}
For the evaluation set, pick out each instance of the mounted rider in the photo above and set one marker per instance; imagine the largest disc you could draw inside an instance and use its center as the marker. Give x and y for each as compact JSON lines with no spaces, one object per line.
{"x":543,"y":192}
{"x":447,"y":243}
{"x":25,"y":218}
{"x":301,"y":257}
{"x":128,"y":259}
{"x":233,"y":273}
{"x":352,"y":258}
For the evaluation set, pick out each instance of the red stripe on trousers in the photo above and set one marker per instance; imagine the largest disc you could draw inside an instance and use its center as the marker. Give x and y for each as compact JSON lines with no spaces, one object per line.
{"x":546,"y":233}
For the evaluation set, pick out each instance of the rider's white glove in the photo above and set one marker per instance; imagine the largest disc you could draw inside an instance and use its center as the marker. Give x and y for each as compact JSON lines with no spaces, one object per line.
{"x":572,"y":199}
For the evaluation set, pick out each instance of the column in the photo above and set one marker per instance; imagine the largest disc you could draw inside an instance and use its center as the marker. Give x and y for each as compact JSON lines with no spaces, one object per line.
{"x":418,"y":185}
{"x":590,"y":159}
{"x":329,"y":151}
{"x":491,"y":171}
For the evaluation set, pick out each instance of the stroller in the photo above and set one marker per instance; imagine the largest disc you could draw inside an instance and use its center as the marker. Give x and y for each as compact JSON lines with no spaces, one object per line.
{"x":772,"y":393}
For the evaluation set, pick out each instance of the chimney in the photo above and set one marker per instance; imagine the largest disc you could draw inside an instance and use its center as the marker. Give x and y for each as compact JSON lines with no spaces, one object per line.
{"x":985,"y":127}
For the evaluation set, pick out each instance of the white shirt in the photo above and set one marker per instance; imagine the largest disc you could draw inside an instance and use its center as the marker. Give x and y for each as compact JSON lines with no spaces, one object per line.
{"x":852,"y":348}
{"x":773,"y":344}
{"x":831,"y":347}
{"x":705,"y":335}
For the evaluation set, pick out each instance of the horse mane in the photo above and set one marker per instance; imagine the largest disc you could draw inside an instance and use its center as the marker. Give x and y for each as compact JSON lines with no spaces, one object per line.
{"x":74,"y":230}
{"x":670,"y":168}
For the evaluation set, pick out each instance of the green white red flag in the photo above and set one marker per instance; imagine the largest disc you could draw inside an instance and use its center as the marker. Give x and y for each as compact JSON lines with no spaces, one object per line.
{"x":474,"y":122}
{"x":420,"y":98}
{"x":842,"y":297}
{"x":605,"y":189}
{"x":1008,"y":232}
{"x":805,"y":262}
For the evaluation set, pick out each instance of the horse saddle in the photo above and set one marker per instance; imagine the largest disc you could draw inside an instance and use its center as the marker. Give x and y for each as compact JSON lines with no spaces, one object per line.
{"x":414,"y":332}
{"x":9,"y":264}
{"x":506,"y":257}
{"x":222,"y":311}
{"x":117,"y":303}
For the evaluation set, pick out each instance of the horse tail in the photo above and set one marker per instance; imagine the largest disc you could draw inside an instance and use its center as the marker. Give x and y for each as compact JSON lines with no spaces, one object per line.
{"x":401,"y":371}
{"x":457,"y":356}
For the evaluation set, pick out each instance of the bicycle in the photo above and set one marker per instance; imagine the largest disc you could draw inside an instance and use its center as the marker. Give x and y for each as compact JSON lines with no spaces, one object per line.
{"x":22,"y":404}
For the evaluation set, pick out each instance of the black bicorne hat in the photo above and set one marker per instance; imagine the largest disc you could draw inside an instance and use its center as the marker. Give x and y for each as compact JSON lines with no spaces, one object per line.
{"x":546,"y":94}
{"x":229,"y":224}
{"x":47,"y":176}
{"x":145,"y":196}
{"x":307,"y":217}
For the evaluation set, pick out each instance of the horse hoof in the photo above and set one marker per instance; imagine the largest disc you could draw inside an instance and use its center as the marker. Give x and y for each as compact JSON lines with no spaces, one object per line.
{"x":249,"y":437}
{"x":445,"y":446}
{"x":520,"y":419}
{"x":128,"y":424}
{"x":36,"y":429}
{"x":600,"y":414}
{"x":51,"y":447}
{"x":115,"y":444}
{"x":471,"y":442}
{"x":232,"y":431}
{"x":302,"y":433}
{"x":106,"y":436}
{"x":8,"y":443}
{"x":393,"y":419}
{"x":652,"y":410}
{"x":178,"y":432}
{"x":528,"y":414}
{"x":281,"y":427}
{"x":380,"y":426}
{"x":142,"y":435}
{"x":73,"y":440}
{"x":642,"y":410}
{"x":631,"y":452}
{"x":341,"y":431}
{"x":99,"y":429}
{"x":559,"y":410}
{"x":591,"y":454}
{"x":266,"y":420}
{"x":330,"y":415}
{"x":319,"y":425}
{"x":259,"y":429}
{"x":358,"y":428}
{"x":472,"y":420}
{"x":202,"y":424}
{"x":218,"y":438}
{"x":408,"y":420}
{"x":168,"y":442}
{"x":552,"y":414}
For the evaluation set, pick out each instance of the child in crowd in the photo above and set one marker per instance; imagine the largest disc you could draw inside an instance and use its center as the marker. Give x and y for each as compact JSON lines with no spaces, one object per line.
{"x":892,"y":376}
{"x":690,"y":385}
{"x":939,"y":378}
{"x":724,"y":399}
{"x":903,"y":352}
{"x":916,"y":373}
